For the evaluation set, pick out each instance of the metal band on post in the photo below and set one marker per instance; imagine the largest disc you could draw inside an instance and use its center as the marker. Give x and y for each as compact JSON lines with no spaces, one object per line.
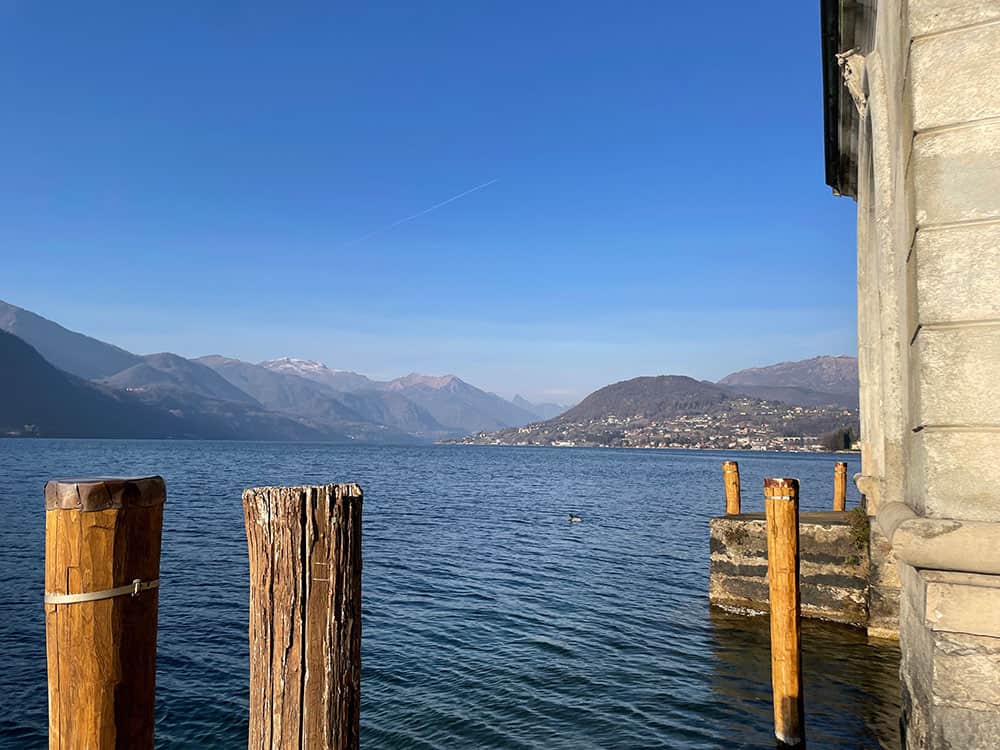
{"x":130,"y":589}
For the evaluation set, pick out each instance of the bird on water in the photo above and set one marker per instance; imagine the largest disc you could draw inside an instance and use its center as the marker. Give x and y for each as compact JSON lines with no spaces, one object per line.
{"x":575,"y":519}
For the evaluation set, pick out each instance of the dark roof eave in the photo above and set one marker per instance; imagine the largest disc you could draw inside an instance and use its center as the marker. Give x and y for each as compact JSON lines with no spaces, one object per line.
{"x":846,"y":25}
{"x":830,"y":23}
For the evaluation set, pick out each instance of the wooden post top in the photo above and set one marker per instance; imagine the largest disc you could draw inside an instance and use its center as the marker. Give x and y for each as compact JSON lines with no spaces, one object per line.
{"x":789,"y":485}
{"x":347,"y":492}
{"x":104,"y":493}
{"x":348,"y":489}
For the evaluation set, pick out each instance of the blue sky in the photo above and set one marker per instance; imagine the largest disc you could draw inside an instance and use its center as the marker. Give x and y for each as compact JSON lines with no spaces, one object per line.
{"x":230,"y":179}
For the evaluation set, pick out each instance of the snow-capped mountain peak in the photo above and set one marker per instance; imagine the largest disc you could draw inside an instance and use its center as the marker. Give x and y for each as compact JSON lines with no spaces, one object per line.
{"x":341,"y":380}
{"x":296,"y":366}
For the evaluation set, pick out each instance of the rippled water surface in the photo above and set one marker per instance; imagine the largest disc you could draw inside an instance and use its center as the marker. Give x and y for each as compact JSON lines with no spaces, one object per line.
{"x":489,"y":620}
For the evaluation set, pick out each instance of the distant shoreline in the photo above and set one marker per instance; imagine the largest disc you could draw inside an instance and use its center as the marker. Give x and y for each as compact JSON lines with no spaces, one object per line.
{"x":646,"y":448}
{"x":426,"y":443}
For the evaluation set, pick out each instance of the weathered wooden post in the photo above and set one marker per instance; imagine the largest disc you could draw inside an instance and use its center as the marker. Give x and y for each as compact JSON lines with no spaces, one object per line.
{"x":102,"y":570}
{"x":731,"y":475}
{"x":840,"y":486}
{"x":305,"y":616}
{"x":781,"y":503}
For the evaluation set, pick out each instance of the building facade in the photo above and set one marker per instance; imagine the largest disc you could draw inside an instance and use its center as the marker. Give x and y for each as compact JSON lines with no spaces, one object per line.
{"x":912,"y":115}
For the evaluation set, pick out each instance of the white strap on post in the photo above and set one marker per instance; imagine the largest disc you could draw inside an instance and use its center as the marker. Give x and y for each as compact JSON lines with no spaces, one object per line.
{"x":130,"y":589}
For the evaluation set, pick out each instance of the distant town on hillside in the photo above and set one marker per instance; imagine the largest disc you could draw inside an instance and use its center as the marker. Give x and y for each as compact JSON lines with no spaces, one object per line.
{"x":673,"y":411}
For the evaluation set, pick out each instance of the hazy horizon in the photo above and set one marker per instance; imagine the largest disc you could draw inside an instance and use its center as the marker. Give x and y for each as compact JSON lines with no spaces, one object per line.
{"x":540,"y":200}
{"x":561,"y":396}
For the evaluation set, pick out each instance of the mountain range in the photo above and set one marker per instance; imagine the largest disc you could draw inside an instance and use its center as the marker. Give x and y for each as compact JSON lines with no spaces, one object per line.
{"x":810,"y":382}
{"x":57,"y":382}
{"x":221,"y":397}
{"x":545,"y":410}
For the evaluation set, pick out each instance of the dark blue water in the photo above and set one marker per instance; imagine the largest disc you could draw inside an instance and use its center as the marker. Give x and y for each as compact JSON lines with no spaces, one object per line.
{"x":489,"y":621}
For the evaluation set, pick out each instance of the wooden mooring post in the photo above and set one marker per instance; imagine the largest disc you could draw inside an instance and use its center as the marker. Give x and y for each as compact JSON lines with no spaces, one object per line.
{"x":102,"y":570}
{"x":305,"y":616}
{"x":731,"y":475}
{"x":840,"y":486}
{"x":781,"y":502}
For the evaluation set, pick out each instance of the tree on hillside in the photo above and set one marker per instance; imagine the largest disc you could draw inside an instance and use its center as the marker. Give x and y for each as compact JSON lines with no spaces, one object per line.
{"x":839,"y":440}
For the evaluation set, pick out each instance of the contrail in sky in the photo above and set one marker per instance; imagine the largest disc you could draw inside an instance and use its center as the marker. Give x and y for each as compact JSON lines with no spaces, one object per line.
{"x":417,"y":215}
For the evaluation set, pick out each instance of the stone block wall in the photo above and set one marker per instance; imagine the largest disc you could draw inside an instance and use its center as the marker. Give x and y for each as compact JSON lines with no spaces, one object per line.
{"x":833,"y":565}
{"x":952,"y":285}
{"x":950,"y":670}
{"x":883,"y":587}
{"x":927,"y":94}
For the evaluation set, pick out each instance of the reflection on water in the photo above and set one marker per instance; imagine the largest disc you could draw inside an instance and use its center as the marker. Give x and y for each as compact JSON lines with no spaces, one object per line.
{"x":851,"y":686}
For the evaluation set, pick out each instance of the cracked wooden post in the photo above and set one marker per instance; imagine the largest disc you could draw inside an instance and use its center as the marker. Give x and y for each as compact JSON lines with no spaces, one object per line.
{"x":840,"y":486}
{"x":731,"y":475}
{"x":781,"y":505}
{"x":102,"y":570}
{"x":305,"y":616}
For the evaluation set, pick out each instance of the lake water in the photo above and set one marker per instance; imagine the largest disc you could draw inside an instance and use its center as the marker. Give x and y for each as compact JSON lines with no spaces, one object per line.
{"x":489,"y":620}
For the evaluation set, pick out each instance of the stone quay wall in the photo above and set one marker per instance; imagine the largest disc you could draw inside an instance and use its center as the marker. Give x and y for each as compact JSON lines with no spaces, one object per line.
{"x":833,"y":559}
